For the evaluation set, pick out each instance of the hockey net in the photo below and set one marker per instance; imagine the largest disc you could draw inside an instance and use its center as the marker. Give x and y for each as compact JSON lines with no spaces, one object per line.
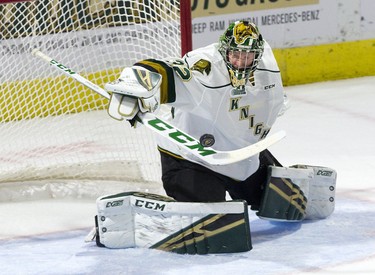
{"x":54,"y":128}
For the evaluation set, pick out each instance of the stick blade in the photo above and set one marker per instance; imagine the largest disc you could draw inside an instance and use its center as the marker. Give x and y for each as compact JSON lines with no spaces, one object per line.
{"x":229,"y":157}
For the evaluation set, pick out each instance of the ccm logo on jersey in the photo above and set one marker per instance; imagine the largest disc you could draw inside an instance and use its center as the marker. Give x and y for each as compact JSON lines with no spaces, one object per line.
{"x":269,"y":86}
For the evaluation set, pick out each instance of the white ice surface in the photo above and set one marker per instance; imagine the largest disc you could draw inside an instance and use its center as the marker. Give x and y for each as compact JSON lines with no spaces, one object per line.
{"x":329,"y":124}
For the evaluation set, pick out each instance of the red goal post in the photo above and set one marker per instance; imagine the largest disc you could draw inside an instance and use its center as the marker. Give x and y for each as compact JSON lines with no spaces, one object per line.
{"x":52,"y":127}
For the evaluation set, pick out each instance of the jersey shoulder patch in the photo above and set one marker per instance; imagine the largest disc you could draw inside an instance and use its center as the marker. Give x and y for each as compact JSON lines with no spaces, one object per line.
{"x":202,"y":66}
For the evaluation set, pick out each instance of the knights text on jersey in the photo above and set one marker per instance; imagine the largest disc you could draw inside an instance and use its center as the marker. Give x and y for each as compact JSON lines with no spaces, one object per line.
{"x":204,"y":102}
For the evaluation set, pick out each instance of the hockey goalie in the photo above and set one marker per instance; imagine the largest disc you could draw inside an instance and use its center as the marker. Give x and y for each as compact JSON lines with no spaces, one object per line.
{"x":227,"y":95}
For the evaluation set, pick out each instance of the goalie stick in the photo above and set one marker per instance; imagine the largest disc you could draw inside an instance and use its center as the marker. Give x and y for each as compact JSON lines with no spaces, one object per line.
{"x":186,"y":143}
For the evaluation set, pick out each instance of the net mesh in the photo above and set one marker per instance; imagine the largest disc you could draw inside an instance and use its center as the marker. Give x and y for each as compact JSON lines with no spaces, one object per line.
{"x":52,"y":126}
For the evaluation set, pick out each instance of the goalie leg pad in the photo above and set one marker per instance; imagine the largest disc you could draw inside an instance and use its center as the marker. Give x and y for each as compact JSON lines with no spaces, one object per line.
{"x":299,"y":192}
{"x":321,"y":193}
{"x":283,"y":200}
{"x":136,"y":219}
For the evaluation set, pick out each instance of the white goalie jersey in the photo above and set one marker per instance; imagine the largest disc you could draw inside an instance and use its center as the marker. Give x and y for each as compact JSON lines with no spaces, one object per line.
{"x":198,"y":89}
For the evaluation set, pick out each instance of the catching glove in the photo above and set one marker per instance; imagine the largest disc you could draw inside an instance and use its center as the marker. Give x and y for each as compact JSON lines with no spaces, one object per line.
{"x":137,"y":90}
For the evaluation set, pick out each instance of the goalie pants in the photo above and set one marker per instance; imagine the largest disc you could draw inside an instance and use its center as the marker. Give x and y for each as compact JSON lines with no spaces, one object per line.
{"x":190,"y":182}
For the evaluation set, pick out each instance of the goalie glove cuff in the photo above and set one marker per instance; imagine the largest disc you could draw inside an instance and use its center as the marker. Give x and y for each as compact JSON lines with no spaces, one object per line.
{"x":150,"y":104}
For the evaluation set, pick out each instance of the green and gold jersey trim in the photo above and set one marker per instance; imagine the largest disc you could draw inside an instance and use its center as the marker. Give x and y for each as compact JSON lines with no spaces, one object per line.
{"x":169,"y":153}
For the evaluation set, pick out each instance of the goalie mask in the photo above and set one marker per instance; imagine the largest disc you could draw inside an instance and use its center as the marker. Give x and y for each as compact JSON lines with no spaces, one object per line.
{"x":242,"y":48}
